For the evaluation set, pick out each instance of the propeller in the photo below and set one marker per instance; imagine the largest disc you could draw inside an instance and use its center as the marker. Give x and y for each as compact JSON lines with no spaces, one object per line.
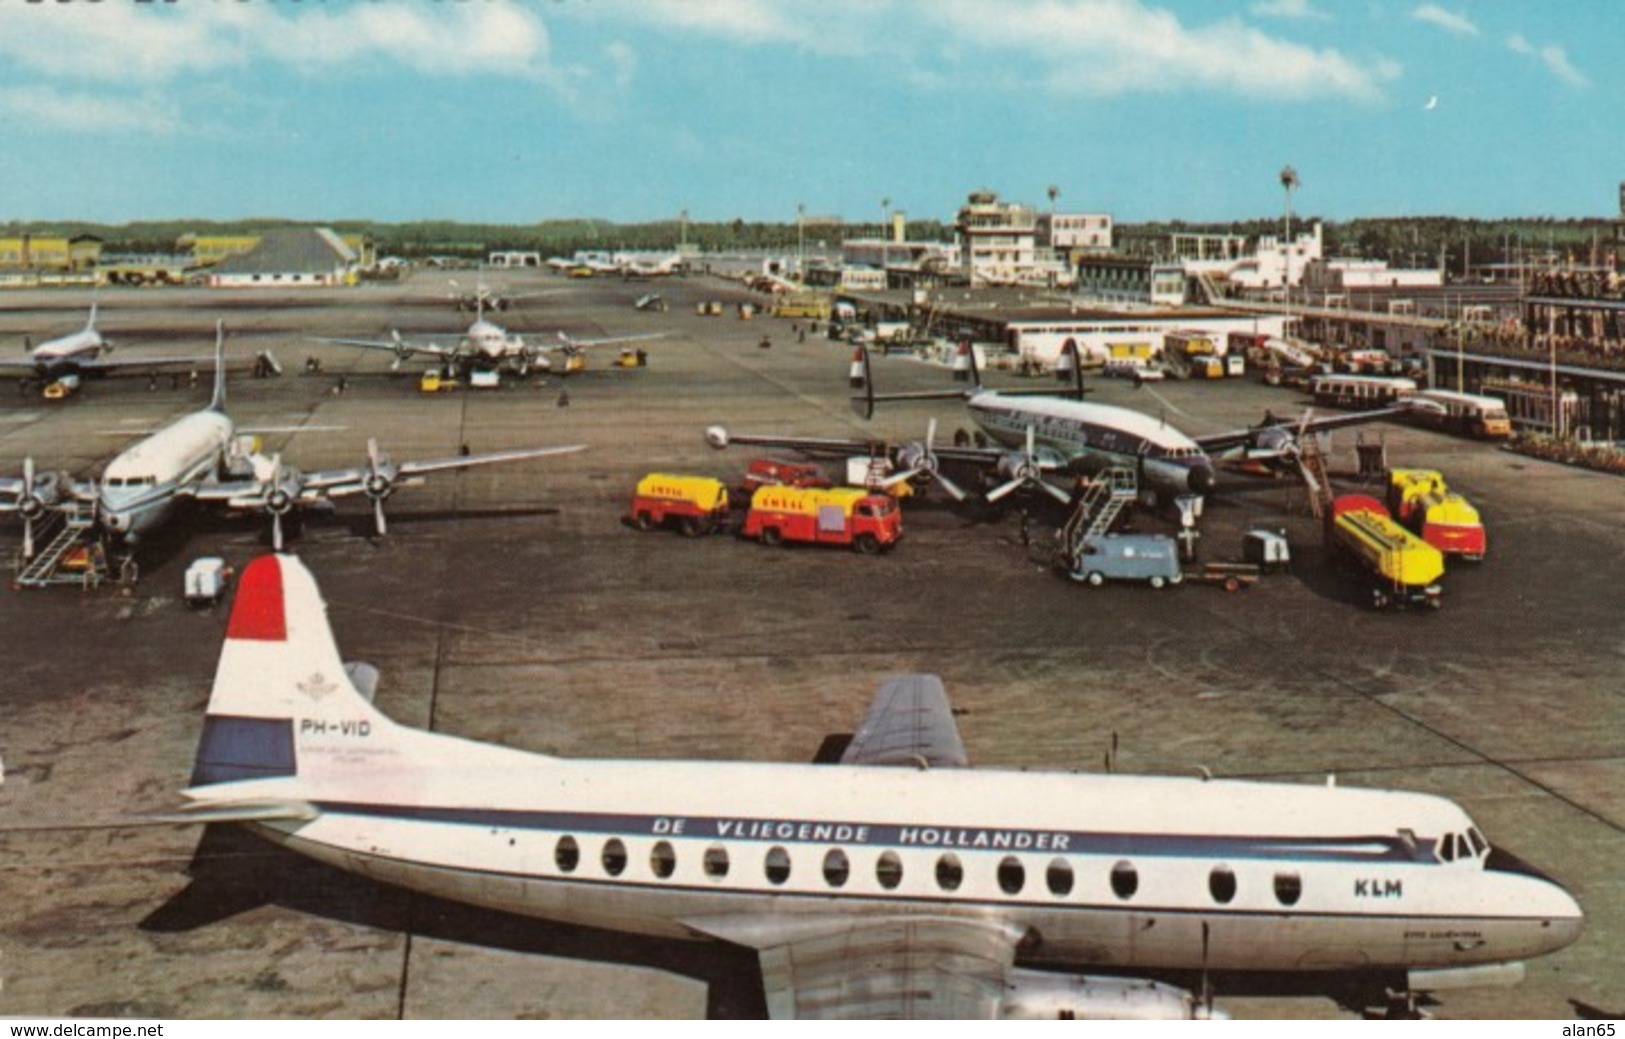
{"x":1025,"y":470}
{"x":31,"y":506}
{"x":280,"y":496}
{"x":920,"y":460}
{"x":378,"y":484}
{"x":402,"y":351}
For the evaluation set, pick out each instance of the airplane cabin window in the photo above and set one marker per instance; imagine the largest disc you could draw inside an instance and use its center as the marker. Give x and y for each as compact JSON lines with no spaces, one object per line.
{"x":950,"y":874}
{"x":1059,"y":877}
{"x":614,"y":857}
{"x":777,"y":865}
{"x":889,"y":870}
{"x":1125,"y":880}
{"x":1221,"y":884}
{"x":836,"y":868}
{"x":716,"y":862}
{"x":566,"y":854}
{"x":663,"y":860}
{"x":1288,"y":888}
{"x":1012,"y":875}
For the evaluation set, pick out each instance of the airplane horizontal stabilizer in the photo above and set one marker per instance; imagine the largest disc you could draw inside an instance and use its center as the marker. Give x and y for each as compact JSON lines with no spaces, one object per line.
{"x":257,"y":811}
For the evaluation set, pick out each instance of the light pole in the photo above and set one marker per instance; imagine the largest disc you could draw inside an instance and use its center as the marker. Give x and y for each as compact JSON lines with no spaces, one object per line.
{"x":885,"y":242}
{"x":801,"y":241}
{"x":1289,"y":181}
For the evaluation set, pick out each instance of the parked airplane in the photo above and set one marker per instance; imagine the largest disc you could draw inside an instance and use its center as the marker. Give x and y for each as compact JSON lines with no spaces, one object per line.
{"x":59,"y":365}
{"x":487,"y":350}
{"x":923,"y":889}
{"x":189,"y":459}
{"x":1036,"y":432}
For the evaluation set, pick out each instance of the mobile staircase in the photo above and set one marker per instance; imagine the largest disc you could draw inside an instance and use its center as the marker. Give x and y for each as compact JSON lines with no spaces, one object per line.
{"x":1103,"y":500}
{"x":68,"y":528}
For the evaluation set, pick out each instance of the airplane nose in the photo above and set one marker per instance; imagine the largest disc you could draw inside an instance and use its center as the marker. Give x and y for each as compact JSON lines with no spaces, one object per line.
{"x":1201,"y":479}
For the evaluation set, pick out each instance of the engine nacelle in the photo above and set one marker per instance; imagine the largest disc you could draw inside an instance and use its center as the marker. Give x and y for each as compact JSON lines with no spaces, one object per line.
{"x":1014,"y":465}
{"x":1038,"y":996}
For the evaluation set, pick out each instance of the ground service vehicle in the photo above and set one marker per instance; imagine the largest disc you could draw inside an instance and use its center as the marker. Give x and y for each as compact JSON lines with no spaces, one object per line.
{"x":696,"y":504}
{"x":1192,"y":355}
{"x":1403,"y":569}
{"x":1444,"y":519}
{"x":824,"y":515}
{"x":1153,"y":558}
{"x":1360,"y":391}
{"x":1464,"y":414}
{"x":205,"y":581}
{"x":814,"y":305}
{"x":767,"y":472}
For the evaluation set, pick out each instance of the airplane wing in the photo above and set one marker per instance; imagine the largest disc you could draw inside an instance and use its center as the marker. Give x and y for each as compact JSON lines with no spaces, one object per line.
{"x":401,"y":348}
{"x":1272,"y":428}
{"x":909,"y":723}
{"x":338,"y":483}
{"x":571,"y":344}
{"x":123,"y":364}
{"x":876,"y":967}
{"x":846,"y":447}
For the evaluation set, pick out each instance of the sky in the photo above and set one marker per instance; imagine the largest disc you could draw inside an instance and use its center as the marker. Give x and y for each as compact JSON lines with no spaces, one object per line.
{"x":517,"y":111}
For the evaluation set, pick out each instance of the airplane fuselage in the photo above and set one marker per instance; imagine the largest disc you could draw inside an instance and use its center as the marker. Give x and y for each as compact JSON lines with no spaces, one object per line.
{"x":1107,"y":871}
{"x":1089,"y":437}
{"x":138,"y":489}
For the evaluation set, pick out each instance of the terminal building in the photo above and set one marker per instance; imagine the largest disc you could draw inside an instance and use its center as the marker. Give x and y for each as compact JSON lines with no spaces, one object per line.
{"x":290,"y":257}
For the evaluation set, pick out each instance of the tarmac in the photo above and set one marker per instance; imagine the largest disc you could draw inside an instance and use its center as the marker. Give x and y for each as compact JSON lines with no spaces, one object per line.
{"x":512,"y":604}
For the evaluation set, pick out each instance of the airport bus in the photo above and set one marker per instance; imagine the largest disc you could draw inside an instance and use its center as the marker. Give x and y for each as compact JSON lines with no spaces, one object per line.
{"x":1465,"y":414}
{"x":1360,"y":391}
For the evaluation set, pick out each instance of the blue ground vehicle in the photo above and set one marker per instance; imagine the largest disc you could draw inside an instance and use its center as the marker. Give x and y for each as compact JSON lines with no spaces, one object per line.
{"x":1153,"y":558}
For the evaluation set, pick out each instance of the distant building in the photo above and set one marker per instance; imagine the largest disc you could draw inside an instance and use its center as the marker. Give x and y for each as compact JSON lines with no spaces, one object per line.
{"x":1131,"y":279}
{"x":289,"y":257}
{"x":50,"y":252}
{"x":208,"y":250}
{"x":1072,"y":234}
{"x":1345,"y":275}
{"x":998,"y":241}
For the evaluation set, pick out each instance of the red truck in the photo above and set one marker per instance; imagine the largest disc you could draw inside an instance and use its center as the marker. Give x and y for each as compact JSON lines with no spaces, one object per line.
{"x":697,"y":504}
{"x":824,"y":515}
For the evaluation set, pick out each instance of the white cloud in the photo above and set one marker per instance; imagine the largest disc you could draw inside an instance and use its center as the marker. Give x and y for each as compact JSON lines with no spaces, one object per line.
{"x":1106,"y":47}
{"x":113,"y":114}
{"x":130,"y":43}
{"x":1452,"y":21}
{"x":1287,"y":9}
{"x":828,"y":27}
{"x":1555,"y":59}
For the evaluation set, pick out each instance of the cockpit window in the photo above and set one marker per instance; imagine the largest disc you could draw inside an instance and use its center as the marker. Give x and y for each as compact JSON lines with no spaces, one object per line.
{"x":1480,"y":845}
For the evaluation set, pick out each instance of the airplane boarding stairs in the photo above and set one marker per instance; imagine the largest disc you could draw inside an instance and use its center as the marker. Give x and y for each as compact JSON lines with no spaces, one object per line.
{"x":68,"y":528}
{"x":1104,"y":499}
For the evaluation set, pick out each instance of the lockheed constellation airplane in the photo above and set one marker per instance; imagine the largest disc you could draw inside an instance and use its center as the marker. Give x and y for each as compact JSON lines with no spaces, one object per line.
{"x":1027,"y":434}
{"x":896,"y":883}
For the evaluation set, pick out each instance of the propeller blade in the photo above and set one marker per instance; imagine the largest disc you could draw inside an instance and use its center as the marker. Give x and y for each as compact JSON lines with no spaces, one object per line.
{"x":372,"y":453}
{"x":378,"y":524}
{"x":955,"y":491}
{"x":276,"y":531}
{"x":1054,"y":492}
{"x":1004,"y":489}
{"x":28,"y":476}
{"x":28,"y":536}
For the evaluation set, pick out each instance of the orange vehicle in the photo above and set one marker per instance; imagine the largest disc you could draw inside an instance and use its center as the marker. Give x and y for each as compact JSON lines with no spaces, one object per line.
{"x":853,"y":516}
{"x":697,"y":504}
{"x":766,"y":472}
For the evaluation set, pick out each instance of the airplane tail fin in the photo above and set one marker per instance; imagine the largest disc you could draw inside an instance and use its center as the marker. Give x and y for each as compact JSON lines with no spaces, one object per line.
{"x":283,"y":702}
{"x":219,"y":401}
{"x":90,"y":324}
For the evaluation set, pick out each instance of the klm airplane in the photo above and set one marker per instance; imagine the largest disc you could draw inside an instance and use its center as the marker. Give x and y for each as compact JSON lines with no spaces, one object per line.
{"x":896,"y":883}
